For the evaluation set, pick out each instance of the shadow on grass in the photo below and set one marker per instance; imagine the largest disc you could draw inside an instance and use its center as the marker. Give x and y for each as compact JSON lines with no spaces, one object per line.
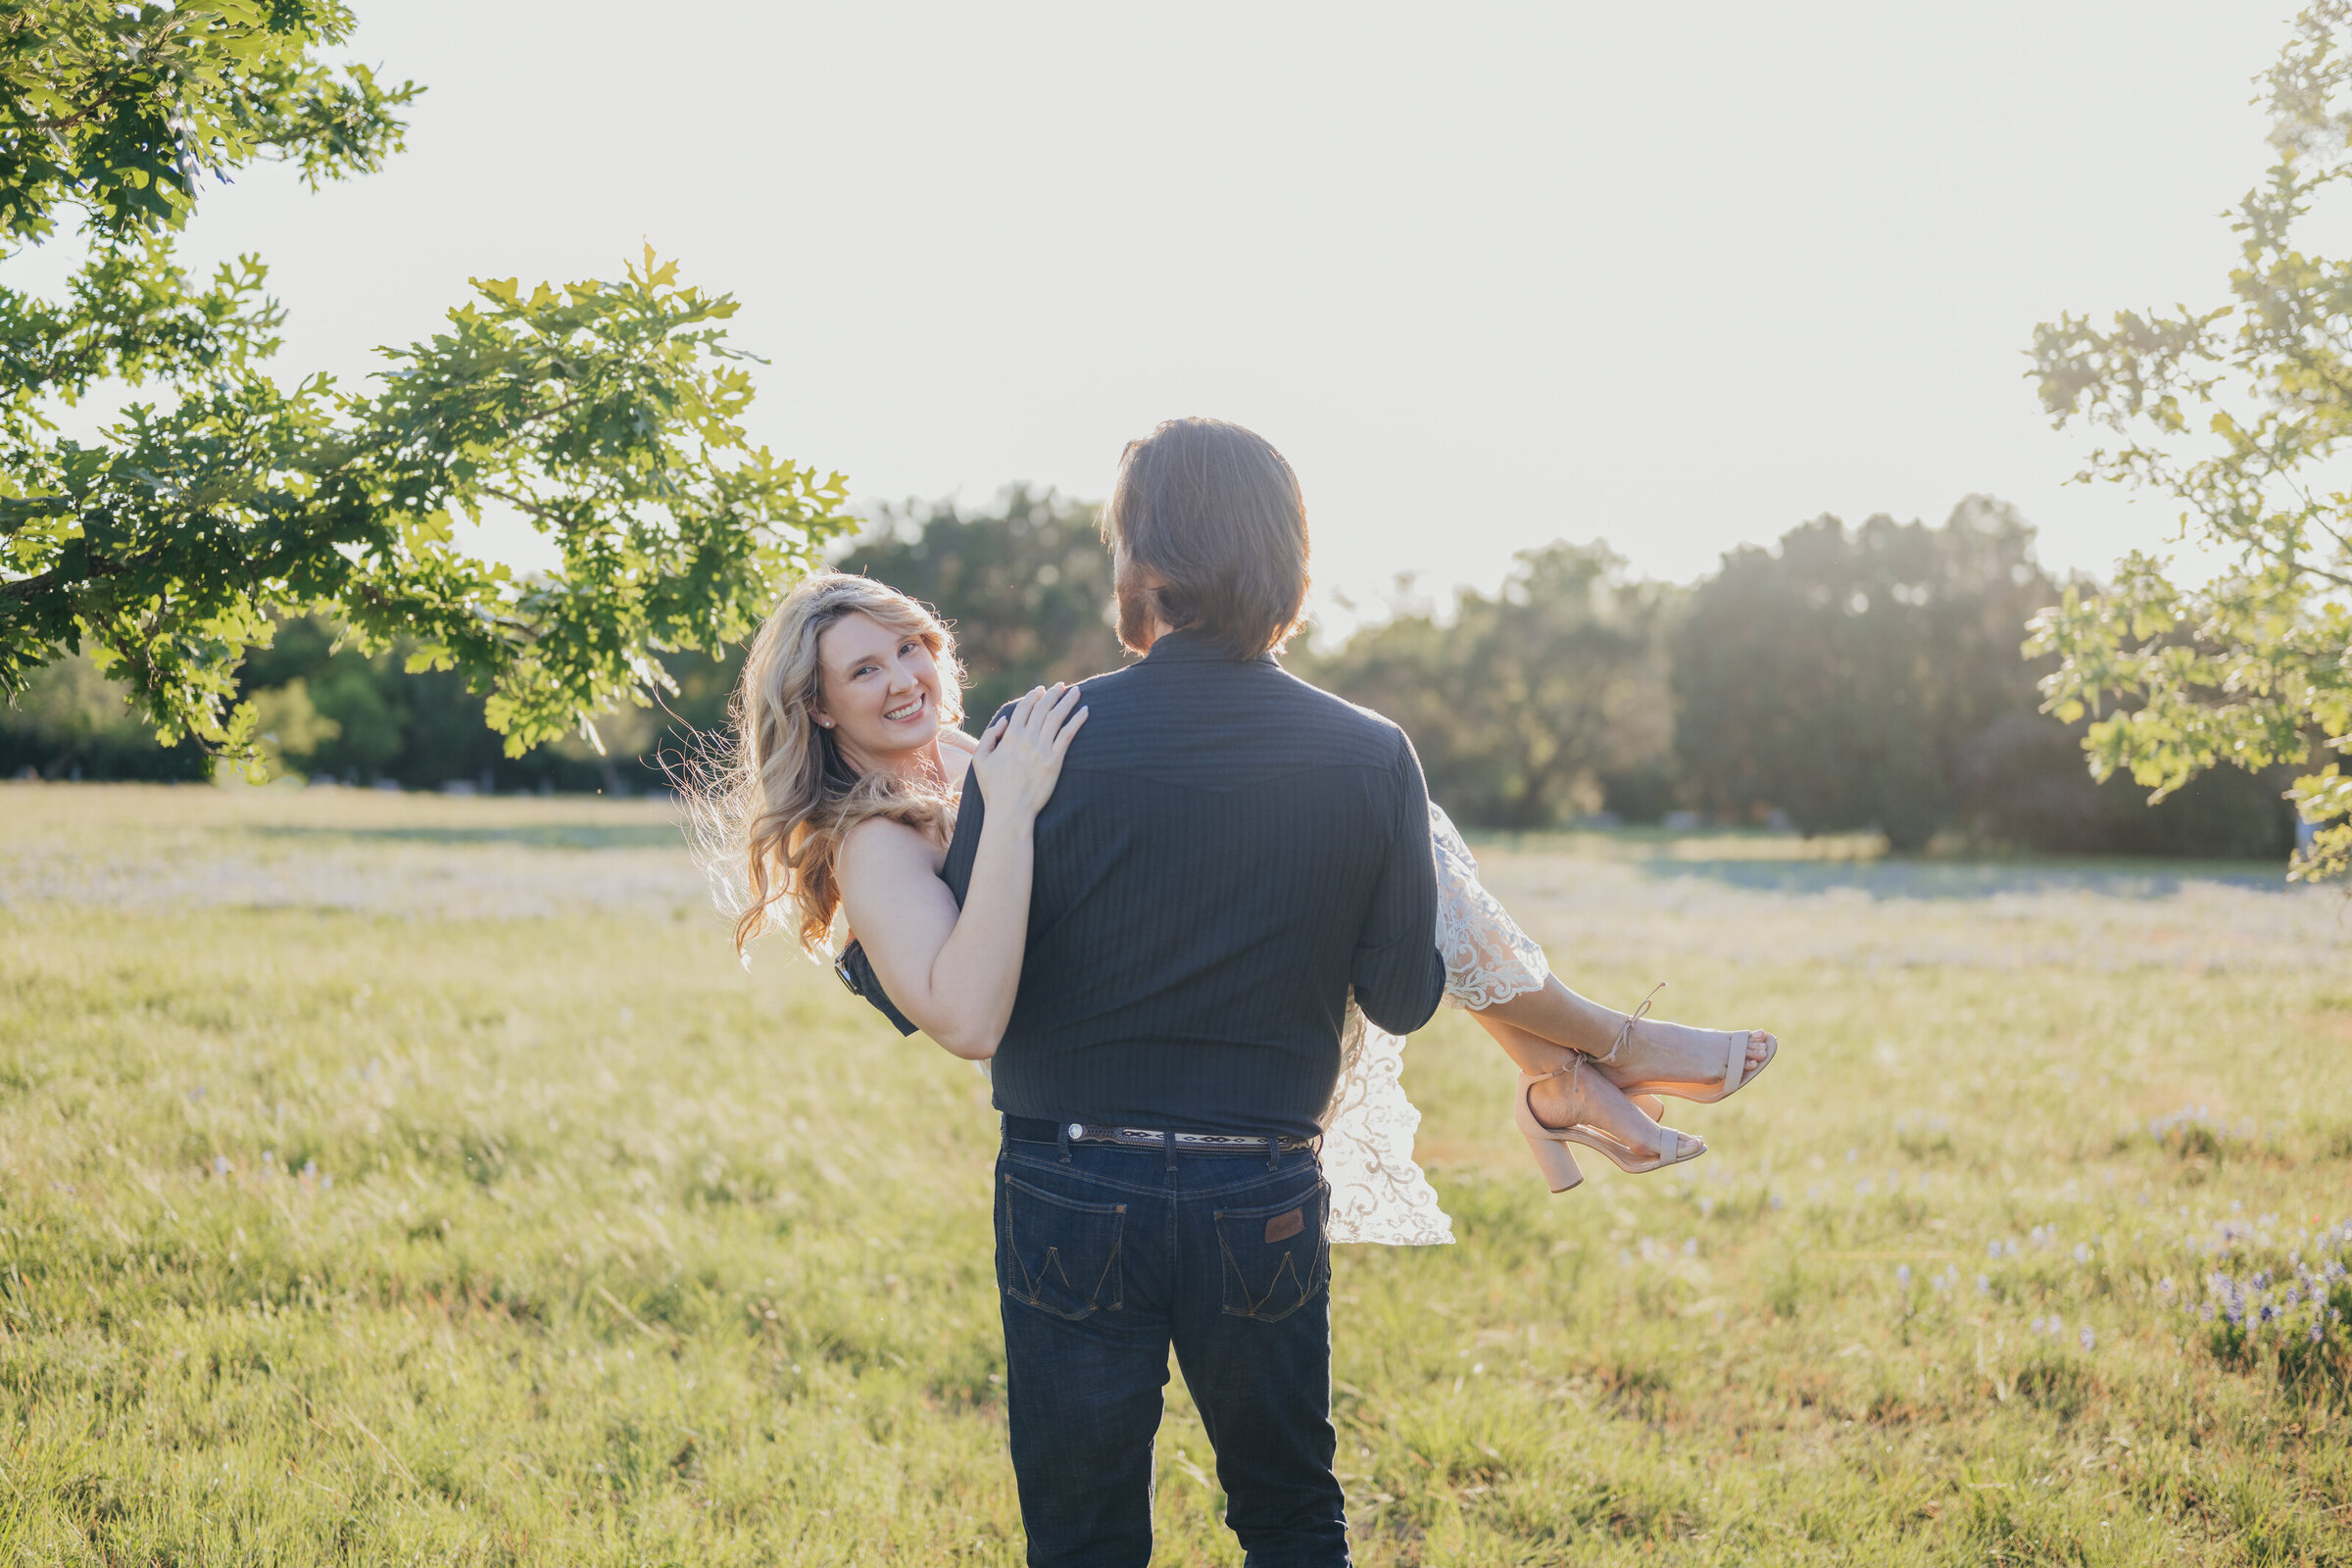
{"x":534,"y":835}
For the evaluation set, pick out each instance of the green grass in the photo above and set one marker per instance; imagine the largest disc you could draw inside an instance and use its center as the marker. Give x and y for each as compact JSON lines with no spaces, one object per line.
{"x":414,"y":1180}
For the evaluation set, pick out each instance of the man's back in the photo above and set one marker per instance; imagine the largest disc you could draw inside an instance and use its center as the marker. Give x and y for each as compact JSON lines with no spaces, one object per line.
{"x":1228,"y":850}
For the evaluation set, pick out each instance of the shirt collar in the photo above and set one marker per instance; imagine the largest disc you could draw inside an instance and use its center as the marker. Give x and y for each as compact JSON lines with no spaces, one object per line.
{"x":1191,"y":647}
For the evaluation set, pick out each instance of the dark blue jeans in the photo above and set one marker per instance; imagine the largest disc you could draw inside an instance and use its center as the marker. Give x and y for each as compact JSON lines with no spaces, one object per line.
{"x":1107,"y":1255}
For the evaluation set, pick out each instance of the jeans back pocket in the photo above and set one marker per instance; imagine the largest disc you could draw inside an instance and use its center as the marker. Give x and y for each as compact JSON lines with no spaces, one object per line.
{"x":1275,"y":1254}
{"x":1061,"y":1256}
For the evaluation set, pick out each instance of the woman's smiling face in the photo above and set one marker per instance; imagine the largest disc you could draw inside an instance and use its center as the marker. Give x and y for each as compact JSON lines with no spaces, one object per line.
{"x":879,"y":689}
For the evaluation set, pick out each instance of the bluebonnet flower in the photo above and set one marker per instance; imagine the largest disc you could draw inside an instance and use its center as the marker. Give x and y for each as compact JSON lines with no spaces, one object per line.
{"x":2081,"y":1253}
{"x":2090,"y":1341}
{"x":1902,"y":1275}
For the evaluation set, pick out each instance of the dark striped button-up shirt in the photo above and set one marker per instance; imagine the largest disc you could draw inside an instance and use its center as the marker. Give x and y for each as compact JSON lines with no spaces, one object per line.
{"x":1229,"y":851}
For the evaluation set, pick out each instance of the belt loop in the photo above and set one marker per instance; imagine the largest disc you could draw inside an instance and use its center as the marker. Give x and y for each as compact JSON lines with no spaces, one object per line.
{"x":1061,"y":1132}
{"x":1274,"y":1154}
{"x":1167,"y":1140}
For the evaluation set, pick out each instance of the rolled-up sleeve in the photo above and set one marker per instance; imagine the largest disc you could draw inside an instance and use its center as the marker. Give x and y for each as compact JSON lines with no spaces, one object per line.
{"x":1396,"y":972}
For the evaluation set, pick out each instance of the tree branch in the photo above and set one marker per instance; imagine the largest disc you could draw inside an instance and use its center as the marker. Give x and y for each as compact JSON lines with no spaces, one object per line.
{"x":551,"y":519}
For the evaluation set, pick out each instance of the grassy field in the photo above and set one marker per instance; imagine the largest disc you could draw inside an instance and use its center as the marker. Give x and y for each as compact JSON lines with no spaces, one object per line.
{"x":406,"y":1180}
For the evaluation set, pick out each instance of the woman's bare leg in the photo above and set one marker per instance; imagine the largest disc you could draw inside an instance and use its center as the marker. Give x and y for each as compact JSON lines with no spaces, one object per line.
{"x":1589,"y":1100}
{"x":1541,"y":1058}
{"x":1559,"y":1016}
{"x":1668,"y":1050}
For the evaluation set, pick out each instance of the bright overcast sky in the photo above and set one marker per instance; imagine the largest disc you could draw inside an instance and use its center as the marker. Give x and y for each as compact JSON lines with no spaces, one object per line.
{"x":1675,"y":276}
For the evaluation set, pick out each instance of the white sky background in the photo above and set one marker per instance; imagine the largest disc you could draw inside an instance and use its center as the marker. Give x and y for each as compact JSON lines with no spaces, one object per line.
{"x":1675,"y":276}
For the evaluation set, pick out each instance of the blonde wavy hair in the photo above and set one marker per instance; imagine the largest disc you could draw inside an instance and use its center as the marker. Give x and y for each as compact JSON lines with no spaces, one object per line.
{"x":769,"y":804}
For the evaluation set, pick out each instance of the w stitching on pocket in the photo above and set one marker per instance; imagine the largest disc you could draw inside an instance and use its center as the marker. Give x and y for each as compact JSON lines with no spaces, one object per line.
{"x":1049,"y":1288}
{"x":1286,"y":1292}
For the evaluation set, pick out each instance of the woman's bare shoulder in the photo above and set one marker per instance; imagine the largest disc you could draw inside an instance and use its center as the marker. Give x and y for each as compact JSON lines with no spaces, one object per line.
{"x":883,"y":845}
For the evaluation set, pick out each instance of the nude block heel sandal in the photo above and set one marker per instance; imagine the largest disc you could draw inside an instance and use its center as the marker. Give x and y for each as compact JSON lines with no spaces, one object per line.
{"x":1700,"y":1091}
{"x":1549,"y":1143}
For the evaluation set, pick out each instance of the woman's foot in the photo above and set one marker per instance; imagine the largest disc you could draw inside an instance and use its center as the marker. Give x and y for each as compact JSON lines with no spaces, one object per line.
{"x":1558,"y":1020}
{"x":1653,"y":1057}
{"x":1579,"y":1105}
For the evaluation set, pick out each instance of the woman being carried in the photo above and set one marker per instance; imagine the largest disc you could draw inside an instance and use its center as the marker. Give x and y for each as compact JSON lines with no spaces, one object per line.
{"x":840,"y":798}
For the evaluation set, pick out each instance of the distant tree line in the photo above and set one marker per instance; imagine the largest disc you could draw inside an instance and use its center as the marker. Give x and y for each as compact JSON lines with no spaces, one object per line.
{"x":1843,"y":679}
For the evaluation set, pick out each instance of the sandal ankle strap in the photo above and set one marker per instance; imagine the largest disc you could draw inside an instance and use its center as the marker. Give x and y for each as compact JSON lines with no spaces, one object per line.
{"x":1625,"y":1031}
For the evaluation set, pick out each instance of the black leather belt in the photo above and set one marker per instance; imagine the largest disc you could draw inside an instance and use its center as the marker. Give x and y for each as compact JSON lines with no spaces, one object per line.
{"x":1031,"y":1130}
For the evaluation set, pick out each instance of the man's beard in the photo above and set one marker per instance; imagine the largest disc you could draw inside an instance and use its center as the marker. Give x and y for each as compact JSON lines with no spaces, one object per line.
{"x":1138,"y":608}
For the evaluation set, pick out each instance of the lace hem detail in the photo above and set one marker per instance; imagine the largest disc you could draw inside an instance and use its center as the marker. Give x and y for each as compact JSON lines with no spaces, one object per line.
{"x":1488,"y":958}
{"x":1378,"y":1194}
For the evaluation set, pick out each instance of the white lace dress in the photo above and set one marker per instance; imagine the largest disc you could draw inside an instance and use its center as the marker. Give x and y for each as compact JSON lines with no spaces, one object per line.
{"x":1378,"y":1194}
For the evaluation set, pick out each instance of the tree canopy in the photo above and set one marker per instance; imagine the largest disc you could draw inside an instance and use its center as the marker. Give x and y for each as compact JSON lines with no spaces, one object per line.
{"x":1841,"y":678}
{"x":606,"y":415}
{"x":2238,"y":412}
{"x":1534,"y":701}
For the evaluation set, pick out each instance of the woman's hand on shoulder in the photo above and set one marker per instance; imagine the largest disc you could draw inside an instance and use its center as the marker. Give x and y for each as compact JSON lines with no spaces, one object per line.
{"x":1018,"y":759}
{"x":955,"y":751}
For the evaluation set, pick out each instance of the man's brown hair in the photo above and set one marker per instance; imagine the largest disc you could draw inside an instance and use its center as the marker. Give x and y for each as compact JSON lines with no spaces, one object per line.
{"x":1209,"y":532}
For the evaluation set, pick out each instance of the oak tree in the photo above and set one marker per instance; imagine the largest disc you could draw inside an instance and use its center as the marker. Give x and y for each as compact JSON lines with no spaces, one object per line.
{"x":2239,"y":412}
{"x":609,"y":414}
